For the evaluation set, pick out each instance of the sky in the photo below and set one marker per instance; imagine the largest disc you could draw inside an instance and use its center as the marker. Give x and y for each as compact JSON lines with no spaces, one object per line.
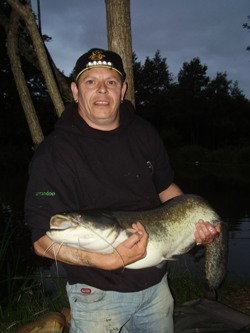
{"x":180,"y":29}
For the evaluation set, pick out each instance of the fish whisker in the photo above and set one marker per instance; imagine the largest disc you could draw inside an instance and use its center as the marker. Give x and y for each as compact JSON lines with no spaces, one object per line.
{"x":52,"y":247}
{"x":111,"y":245}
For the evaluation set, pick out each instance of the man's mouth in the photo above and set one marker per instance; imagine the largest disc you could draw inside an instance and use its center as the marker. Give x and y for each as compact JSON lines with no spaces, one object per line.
{"x":101,"y":103}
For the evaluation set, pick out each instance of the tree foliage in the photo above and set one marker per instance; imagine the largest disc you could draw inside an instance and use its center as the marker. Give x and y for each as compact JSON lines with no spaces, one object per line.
{"x":194,"y":110}
{"x":247,"y":26}
{"x":152,"y":83}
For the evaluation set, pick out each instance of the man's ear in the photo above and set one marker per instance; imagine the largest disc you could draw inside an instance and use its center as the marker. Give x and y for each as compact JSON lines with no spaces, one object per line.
{"x":124,"y":90}
{"x":74,"y":90}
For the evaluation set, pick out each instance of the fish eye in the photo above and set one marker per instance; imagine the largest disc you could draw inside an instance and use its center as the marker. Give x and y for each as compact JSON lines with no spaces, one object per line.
{"x":76,"y":218}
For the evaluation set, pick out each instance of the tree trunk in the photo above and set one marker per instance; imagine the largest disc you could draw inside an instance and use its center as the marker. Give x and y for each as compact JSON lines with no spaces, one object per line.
{"x":119,"y":37}
{"x":29,"y":110}
{"x":28,"y":53}
{"x":28,"y":16}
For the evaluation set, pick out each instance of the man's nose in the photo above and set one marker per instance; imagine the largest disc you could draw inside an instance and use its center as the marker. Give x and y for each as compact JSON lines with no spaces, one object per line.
{"x":102,"y":88}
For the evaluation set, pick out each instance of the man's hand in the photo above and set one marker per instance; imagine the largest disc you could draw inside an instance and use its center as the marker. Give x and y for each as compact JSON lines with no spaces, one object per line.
{"x":206,"y":233}
{"x":132,"y":249}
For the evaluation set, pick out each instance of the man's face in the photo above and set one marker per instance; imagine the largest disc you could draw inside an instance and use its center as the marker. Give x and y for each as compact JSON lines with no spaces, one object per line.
{"x":99,"y":92}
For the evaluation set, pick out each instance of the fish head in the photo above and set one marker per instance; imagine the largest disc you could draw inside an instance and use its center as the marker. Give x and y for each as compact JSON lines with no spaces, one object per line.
{"x":91,"y":231}
{"x":68,"y":229}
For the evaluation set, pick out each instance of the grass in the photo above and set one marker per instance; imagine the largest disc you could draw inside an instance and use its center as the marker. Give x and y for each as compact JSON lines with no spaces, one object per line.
{"x":22,"y":296}
{"x":184,"y":287}
{"x":30,"y":303}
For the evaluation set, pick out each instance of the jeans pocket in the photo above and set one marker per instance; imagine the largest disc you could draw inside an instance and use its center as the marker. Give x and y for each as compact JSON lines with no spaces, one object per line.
{"x":84,"y":294}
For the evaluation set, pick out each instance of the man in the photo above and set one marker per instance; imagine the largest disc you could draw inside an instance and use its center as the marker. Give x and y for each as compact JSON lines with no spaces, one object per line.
{"x":102,"y":156}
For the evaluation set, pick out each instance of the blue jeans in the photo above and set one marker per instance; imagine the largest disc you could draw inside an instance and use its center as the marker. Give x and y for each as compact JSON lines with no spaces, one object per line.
{"x":98,"y":311}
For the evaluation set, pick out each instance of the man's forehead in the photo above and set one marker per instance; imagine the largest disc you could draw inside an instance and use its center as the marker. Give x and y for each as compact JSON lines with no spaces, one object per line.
{"x":101,"y":72}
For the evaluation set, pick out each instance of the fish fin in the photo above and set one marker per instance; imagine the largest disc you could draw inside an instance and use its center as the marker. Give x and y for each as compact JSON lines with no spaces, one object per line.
{"x":172,"y":258}
{"x":160,"y":265}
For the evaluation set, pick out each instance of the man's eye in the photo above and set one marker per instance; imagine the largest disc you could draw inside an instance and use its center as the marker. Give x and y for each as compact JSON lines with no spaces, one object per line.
{"x":112,"y":82}
{"x":90,"y":82}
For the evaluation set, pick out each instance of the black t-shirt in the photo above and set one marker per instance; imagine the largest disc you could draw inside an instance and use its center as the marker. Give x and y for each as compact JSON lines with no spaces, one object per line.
{"x":78,"y":167}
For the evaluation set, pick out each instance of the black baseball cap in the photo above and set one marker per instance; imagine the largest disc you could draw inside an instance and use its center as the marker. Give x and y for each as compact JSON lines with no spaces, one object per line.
{"x":98,"y":58}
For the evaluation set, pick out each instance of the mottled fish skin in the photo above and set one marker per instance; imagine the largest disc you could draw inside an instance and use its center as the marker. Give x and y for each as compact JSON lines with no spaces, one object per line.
{"x":216,"y":262}
{"x":171,"y":229}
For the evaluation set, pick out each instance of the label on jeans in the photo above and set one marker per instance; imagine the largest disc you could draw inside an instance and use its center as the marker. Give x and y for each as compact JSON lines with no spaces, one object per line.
{"x":86,"y":291}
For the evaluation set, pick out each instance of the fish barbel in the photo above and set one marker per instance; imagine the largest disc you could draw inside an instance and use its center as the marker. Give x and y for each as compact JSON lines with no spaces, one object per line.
{"x":171,"y":228}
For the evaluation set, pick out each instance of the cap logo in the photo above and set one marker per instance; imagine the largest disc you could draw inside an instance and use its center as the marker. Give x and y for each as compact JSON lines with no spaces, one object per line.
{"x":97,"y":55}
{"x":96,"y":58}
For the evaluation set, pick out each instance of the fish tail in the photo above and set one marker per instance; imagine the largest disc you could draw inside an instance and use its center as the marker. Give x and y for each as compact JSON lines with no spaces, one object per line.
{"x":216,"y":262}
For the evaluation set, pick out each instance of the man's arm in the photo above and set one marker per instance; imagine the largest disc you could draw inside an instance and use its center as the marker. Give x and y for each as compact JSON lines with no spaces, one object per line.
{"x":172,"y":191}
{"x":205,"y":233}
{"x":129,"y":251}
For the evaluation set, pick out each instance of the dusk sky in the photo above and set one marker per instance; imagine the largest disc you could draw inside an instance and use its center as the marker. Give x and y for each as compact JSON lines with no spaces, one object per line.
{"x":181,"y":29}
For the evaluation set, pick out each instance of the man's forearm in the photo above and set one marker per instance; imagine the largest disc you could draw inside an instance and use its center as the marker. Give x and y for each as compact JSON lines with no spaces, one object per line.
{"x":73,"y":256}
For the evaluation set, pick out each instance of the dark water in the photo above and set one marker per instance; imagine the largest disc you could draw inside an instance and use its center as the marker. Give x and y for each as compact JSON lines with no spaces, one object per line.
{"x":228,"y":191}
{"x":239,"y":249}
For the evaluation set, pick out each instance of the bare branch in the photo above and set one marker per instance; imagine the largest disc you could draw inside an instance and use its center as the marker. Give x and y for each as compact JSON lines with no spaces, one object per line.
{"x":28,"y":16}
{"x":29,"y":110}
{"x":28,"y":53}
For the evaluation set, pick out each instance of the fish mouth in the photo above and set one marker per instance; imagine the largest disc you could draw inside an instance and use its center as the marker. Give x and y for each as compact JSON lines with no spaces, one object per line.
{"x":62,"y":222}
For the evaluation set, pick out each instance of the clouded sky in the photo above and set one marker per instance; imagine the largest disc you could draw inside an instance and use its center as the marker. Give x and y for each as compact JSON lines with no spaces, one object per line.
{"x":181,"y":29}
